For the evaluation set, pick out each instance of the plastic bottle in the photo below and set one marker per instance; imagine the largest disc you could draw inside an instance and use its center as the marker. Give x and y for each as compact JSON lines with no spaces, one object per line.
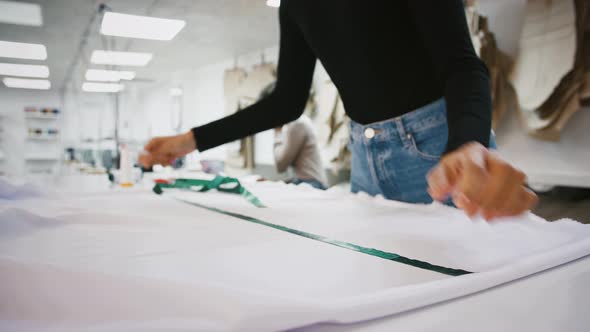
{"x":125,"y":168}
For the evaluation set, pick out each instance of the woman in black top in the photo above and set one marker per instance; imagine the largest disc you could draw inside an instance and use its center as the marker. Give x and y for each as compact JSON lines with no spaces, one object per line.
{"x":388,"y":59}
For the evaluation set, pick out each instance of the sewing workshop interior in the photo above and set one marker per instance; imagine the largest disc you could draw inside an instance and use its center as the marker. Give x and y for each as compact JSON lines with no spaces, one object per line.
{"x":301,"y":165}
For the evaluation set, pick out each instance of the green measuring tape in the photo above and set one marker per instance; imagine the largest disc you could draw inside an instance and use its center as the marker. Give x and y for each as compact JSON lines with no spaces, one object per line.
{"x":221,"y":183}
{"x":350,"y":246}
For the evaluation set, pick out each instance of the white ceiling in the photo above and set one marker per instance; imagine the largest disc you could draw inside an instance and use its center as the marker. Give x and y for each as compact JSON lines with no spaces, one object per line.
{"x":215,"y":30}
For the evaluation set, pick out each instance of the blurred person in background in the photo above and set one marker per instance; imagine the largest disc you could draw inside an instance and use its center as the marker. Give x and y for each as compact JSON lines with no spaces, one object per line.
{"x":296,"y":145}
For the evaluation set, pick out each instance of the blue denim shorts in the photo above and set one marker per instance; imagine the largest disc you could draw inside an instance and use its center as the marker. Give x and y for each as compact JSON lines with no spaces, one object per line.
{"x":392,"y":157}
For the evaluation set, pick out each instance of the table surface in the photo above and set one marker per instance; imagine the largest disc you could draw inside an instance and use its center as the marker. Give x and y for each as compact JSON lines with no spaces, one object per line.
{"x":554,"y":300}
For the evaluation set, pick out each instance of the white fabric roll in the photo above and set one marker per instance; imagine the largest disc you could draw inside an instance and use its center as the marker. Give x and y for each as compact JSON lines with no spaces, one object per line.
{"x":547,"y":51}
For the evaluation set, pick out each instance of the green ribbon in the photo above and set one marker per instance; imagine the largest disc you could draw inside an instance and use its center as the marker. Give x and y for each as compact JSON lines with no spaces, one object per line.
{"x":221,"y":183}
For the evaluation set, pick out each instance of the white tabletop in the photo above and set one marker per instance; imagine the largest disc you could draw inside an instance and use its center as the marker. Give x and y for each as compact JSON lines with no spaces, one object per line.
{"x":80,"y":243}
{"x":553,"y":300}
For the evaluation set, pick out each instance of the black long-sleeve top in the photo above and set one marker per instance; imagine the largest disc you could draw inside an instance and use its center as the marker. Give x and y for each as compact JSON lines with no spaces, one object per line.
{"x":386,"y":57}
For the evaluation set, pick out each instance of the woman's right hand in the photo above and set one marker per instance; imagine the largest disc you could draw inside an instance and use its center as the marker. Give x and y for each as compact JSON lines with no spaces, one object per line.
{"x":164,"y":150}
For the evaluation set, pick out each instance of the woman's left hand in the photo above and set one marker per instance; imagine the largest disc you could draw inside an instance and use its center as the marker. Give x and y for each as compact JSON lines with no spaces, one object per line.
{"x":479,"y":181}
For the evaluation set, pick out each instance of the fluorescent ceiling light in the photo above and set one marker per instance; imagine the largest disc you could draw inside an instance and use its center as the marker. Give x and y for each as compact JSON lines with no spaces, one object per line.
{"x":120,"y":58}
{"x":176,"y":92}
{"x":23,"y":13}
{"x":127,"y":75}
{"x":108,"y":75}
{"x":22,"y":50}
{"x":273,"y":3}
{"x":14,"y":69}
{"x":24,"y":83}
{"x":102,"y":87}
{"x":143,"y":27}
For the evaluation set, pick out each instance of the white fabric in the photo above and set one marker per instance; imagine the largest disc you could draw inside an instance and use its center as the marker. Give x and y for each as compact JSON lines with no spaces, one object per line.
{"x":550,"y":301}
{"x":232,"y":79}
{"x":255,"y":82}
{"x":329,"y":100}
{"x":118,"y":260}
{"x":546,"y":53}
{"x":472,"y":17}
{"x":17,"y":189}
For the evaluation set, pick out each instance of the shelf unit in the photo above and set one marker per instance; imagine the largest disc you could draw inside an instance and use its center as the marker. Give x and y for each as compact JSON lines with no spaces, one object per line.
{"x":41,"y":157}
{"x":43,"y":138}
{"x":42,"y":117}
{"x":43,"y":151}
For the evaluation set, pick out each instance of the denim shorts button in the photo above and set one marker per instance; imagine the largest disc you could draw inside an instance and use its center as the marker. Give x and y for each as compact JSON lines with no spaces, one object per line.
{"x":409,"y":136}
{"x":369,"y":133}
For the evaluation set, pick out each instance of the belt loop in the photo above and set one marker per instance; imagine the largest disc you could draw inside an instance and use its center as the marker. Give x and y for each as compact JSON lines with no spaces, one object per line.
{"x":401,"y":130}
{"x":354,"y":131}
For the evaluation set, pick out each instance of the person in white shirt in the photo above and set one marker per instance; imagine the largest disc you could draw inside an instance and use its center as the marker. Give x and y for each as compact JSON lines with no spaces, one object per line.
{"x":296,"y":145}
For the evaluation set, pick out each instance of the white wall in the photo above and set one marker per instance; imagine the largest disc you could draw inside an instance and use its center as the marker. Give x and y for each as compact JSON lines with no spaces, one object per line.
{"x":88,"y":116}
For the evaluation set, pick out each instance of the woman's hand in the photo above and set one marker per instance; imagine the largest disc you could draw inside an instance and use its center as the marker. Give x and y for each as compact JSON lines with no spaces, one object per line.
{"x":479,"y":181}
{"x":164,"y":150}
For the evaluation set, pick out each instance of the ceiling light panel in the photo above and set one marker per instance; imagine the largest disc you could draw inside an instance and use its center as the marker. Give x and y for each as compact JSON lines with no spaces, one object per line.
{"x":273,"y":3}
{"x":108,"y":75}
{"x":143,"y":27}
{"x":175,"y":92}
{"x":127,"y":75}
{"x":120,"y":58}
{"x":22,"y":50}
{"x":24,"y":83}
{"x":22,"y":13}
{"x":14,"y":69}
{"x":102,"y":87}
